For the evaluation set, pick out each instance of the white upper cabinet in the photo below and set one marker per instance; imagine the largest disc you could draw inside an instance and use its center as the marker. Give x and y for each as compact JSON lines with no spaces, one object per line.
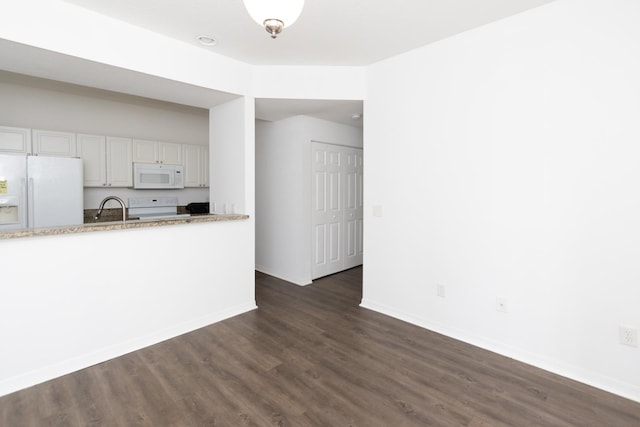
{"x":106,"y":160}
{"x":145,"y":151}
{"x":119,"y":162}
{"x":170,"y":153}
{"x":204,"y":160}
{"x":91,"y":149}
{"x":196,"y":165}
{"x":53,"y":143}
{"x":15,"y":140}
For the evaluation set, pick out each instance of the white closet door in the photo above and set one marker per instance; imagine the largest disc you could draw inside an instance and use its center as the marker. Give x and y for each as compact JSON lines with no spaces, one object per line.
{"x":353,"y":208}
{"x":327,"y":213}
{"x":337,"y":208}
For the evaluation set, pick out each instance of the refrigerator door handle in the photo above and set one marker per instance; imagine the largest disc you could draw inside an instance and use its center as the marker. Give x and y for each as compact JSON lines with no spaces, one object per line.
{"x":24,"y":215}
{"x":30,"y":205}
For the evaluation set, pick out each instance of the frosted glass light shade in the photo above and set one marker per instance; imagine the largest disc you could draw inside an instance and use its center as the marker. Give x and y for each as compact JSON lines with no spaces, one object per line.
{"x":286,"y":11}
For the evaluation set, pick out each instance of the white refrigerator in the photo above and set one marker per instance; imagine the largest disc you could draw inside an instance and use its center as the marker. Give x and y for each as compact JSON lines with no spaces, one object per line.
{"x":40,"y":191}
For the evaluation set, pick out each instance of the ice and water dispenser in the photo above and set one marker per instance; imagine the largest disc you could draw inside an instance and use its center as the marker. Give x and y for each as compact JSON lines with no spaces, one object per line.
{"x":9,"y":209}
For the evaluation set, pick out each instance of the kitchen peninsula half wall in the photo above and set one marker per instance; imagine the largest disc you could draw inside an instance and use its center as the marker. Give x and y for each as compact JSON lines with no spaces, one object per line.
{"x":92,"y":296}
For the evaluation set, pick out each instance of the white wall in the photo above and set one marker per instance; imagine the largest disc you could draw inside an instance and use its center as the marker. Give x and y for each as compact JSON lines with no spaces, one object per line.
{"x":308,"y":82}
{"x":505,"y":161}
{"x":283,"y":192}
{"x":43,"y":104}
{"x":232,"y":157}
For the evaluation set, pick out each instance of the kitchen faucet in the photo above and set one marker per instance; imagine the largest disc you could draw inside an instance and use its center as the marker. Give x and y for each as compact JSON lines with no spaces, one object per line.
{"x":117,"y":199}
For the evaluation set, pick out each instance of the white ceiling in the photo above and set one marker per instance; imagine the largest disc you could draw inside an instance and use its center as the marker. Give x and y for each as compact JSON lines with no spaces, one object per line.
{"x":328,"y":32}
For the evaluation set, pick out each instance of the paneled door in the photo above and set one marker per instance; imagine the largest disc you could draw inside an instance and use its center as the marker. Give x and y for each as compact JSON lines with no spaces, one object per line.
{"x":337,"y":208}
{"x":327,"y":210}
{"x":353,"y":221}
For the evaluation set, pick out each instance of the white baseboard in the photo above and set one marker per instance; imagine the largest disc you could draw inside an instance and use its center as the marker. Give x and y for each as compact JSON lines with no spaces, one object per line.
{"x":295,"y":281}
{"x":50,"y":372}
{"x":611,"y":385}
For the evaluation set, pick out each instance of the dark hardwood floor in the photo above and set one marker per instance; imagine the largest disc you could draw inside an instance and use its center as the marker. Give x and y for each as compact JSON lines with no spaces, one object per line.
{"x":309,"y":356}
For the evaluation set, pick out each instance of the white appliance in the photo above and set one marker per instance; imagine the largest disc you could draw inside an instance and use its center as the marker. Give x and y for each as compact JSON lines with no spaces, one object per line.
{"x":157,"y":176}
{"x":40,"y":191}
{"x":153,"y":208}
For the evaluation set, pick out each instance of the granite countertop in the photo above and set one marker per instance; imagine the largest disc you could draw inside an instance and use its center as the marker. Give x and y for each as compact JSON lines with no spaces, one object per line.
{"x":119,"y":225}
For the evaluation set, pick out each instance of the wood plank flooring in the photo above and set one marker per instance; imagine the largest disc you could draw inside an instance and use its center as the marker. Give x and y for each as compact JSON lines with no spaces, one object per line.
{"x":309,"y":356}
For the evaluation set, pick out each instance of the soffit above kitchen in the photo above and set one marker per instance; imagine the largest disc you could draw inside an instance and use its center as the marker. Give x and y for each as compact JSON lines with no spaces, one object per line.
{"x":31,"y":61}
{"x":328,"y":32}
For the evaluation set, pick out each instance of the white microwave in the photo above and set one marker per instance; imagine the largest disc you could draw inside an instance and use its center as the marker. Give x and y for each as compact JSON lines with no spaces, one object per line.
{"x":157,"y":176}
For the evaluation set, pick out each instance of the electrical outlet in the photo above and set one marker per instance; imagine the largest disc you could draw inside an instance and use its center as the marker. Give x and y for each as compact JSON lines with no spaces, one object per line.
{"x":501,"y":305}
{"x":628,"y":336}
{"x":441,"y":290}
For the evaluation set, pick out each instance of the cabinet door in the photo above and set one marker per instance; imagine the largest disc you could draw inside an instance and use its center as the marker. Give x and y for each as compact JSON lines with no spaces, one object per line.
{"x":170,"y":153}
{"x":145,"y":151}
{"x":196,"y":165}
{"x":15,"y":140}
{"x":191,"y":157}
{"x":53,"y":143}
{"x":204,"y":162}
{"x":91,"y":149}
{"x":119,"y":162}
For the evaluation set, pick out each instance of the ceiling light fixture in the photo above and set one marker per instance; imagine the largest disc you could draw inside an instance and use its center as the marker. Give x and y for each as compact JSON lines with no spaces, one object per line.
{"x":274,"y":15}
